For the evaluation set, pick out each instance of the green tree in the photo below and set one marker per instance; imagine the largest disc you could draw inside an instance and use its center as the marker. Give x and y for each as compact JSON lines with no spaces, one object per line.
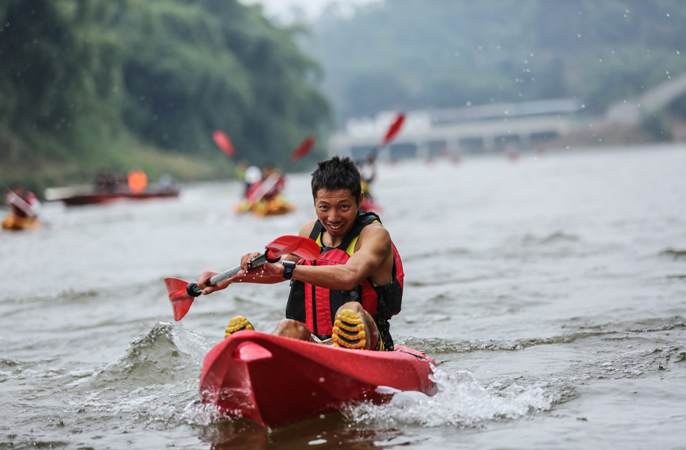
{"x":88,"y":84}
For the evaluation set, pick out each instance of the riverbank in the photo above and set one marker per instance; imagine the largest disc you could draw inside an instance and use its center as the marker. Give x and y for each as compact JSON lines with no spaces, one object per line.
{"x":40,"y":172}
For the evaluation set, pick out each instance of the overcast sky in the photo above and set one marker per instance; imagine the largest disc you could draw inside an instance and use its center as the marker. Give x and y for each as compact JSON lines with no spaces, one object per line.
{"x":312,"y":8}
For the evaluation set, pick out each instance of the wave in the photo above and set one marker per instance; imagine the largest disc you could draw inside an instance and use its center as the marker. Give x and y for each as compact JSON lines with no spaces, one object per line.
{"x":675,"y":255}
{"x":155,"y":382}
{"x":455,"y":251}
{"x":150,"y":360}
{"x":447,"y":346}
{"x":66,"y":296}
{"x":553,"y":238}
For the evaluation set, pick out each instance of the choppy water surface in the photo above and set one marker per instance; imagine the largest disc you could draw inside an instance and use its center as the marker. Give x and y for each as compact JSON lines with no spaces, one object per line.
{"x":551,"y":292}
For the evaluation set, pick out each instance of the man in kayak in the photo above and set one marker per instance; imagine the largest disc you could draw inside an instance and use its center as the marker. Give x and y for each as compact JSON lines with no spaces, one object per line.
{"x":351,"y":291}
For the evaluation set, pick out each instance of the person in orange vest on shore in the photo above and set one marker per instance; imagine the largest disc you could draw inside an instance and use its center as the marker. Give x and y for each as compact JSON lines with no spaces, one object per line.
{"x":137,"y":181}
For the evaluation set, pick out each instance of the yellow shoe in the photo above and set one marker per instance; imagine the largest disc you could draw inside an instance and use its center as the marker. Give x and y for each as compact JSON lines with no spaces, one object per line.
{"x":348,"y":330}
{"x":238,"y":323}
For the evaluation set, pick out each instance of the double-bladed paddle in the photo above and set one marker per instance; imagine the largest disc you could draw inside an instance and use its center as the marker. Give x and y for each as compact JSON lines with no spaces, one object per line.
{"x":182,"y":293}
{"x":391,"y":133}
{"x":302,"y":150}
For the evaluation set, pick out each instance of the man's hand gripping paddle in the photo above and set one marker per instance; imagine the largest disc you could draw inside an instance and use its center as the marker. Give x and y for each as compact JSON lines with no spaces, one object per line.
{"x":182,"y":293}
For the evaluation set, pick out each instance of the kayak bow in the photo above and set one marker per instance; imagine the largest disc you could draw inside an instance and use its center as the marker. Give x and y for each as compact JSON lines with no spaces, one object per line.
{"x":275,"y":380}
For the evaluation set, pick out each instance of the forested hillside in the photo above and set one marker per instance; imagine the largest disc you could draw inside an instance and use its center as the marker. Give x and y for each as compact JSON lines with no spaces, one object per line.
{"x":451,"y":53}
{"x":89,"y":85}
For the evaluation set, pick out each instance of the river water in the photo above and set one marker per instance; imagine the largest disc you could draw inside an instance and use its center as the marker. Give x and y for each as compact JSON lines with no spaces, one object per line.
{"x":551,"y":292}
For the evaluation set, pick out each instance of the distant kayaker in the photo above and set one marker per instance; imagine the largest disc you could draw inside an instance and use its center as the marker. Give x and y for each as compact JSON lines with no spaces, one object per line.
{"x":348,"y":294}
{"x":271,"y":185}
{"x":106,"y":182}
{"x":367,"y":170}
{"x":24,"y":209}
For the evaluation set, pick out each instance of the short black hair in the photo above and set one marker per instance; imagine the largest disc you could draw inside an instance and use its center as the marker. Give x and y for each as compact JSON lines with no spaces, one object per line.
{"x":336,"y":173}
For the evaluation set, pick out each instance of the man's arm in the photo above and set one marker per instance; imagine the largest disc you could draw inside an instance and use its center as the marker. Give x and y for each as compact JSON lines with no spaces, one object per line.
{"x":269,"y":273}
{"x":375,"y":250}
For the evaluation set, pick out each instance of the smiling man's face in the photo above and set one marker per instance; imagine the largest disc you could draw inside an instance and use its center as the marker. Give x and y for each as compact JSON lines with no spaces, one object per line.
{"x":336,"y":210}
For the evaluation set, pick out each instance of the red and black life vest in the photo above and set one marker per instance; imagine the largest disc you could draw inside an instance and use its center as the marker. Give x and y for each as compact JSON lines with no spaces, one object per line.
{"x":316,"y":306}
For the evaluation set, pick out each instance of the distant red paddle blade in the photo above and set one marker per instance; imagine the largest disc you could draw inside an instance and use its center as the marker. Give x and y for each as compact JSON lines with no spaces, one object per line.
{"x":295,"y":245}
{"x":180,"y":300}
{"x":224,"y":143}
{"x":394,"y":129}
{"x":303,"y":149}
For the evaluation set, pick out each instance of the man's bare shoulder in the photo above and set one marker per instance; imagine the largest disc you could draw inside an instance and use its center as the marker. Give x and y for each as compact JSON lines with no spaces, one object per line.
{"x":375,"y":235}
{"x":306,"y":229}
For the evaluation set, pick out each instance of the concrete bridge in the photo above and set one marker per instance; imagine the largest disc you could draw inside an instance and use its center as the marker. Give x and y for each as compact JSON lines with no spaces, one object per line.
{"x":465,"y":130}
{"x":630,"y":111}
{"x":490,"y":128}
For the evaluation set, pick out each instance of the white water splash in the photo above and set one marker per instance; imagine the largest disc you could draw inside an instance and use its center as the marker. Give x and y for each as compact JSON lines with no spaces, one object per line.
{"x":461,"y":402}
{"x":202,"y":414}
{"x":193,"y":343}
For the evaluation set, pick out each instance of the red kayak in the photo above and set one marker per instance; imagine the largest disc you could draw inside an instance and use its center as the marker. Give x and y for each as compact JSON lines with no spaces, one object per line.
{"x":108,"y":197}
{"x":79,"y":196}
{"x":275,"y":380}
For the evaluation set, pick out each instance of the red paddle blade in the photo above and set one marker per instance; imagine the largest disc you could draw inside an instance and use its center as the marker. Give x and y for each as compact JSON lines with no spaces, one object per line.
{"x":394,"y":129}
{"x":224,"y":143}
{"x":293,"y":245}
{"x":180,"y":300}
{"x":303,"y":149}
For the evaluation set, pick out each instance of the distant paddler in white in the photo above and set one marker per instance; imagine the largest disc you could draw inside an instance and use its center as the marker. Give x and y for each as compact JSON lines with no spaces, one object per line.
{"x":367,"y":170}
{"x":268,"y":199}
{"x":265,"y":197}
